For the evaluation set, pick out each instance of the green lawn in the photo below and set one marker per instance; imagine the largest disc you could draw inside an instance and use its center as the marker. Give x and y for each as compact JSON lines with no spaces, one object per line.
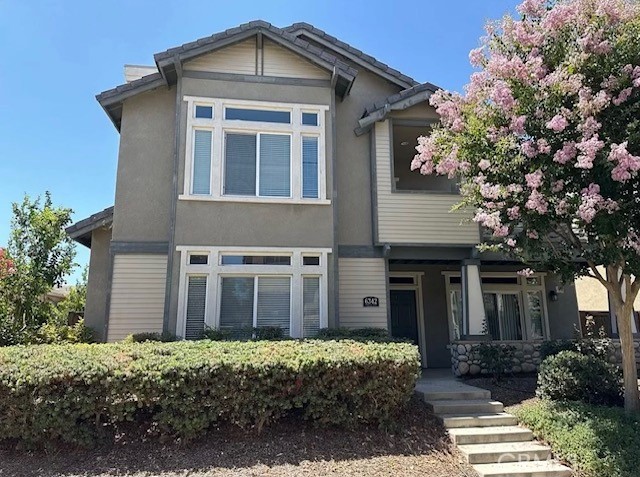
{"x":596,"y":441}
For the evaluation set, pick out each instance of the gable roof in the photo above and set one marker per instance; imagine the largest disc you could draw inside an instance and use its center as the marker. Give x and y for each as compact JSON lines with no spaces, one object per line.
{"x":170,"y":61}
{"x":354,"y":54}
{"x":396,"y":102}
{"x":81,"y":230}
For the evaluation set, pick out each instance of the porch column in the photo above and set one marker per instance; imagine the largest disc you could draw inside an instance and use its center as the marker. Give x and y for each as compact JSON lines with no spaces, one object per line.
{"x":472,"y":300}
{"x":612,"y":313}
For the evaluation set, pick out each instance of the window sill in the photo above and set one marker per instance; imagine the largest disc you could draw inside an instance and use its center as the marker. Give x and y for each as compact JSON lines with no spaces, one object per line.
{"x":254,"y":200}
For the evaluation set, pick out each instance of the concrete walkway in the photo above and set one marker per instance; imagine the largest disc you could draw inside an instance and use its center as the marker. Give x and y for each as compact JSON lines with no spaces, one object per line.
{"x":490,"y":439}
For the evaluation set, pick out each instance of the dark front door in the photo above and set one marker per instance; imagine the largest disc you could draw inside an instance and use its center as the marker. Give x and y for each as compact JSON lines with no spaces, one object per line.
{"x":404,"y":322}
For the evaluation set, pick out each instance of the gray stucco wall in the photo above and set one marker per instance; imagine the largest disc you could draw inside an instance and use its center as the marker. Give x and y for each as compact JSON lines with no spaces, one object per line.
{"x":145,"y":168}
{"x":353,"y":158}
{"x":98,"y":285}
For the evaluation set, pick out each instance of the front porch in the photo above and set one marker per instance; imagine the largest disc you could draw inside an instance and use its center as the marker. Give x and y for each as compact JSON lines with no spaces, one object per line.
{"x":449,"y":307}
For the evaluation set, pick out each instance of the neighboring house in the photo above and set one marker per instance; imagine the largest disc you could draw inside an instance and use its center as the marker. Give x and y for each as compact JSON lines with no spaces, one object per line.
{"x":593,"y":300}
{"x":263,"y":179}
{"x":57,"y":294}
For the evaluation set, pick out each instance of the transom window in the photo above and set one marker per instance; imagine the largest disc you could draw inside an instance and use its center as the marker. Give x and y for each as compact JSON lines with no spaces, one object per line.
{"x":255,"y":151}
{"x":239,"y":290}
{"x":515,"y":307}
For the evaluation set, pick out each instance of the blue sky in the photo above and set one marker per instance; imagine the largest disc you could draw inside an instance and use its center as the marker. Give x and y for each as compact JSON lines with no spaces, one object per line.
{"x":58,"y":55}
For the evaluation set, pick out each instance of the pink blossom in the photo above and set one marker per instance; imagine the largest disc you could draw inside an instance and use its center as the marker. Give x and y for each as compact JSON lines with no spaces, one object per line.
{"x":517,"y":124}
{"x":590,"y":126}
{"x":562,"y":207}
{"x":450,"y":165}
{"x":558,"y":123}
{"x":489,"y":191}
{"x":511,"y":243}
{"x":513,"y":212}
{"x":528,"y":149}
{"x":526,"y":272}
{"x":502,"y":96}
{"x":622,"y":96}
{"x":484,"y":164}
{"x":543,"y":146}
{"x":514,"y":188}
{"x":537,"y":202}
{"x":626,"y":166}
{"x":532,"y":8}
{"x":567,"y":153}
{"x":532,"y":234}
{"x":557,"y":186}
{"x":591,"y":202}
{"x":589,"y":149}
{"x":501,"y":231}
{"x":476,"y":56}
{"x":534,"y":179}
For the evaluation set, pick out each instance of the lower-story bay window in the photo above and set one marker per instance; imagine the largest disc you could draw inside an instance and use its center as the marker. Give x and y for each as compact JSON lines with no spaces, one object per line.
{"x":234,"y":290}
{"x":514,"y":306}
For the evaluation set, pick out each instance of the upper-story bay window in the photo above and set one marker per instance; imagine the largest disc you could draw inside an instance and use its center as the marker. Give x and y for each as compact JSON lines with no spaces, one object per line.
{"x":254,"y":151}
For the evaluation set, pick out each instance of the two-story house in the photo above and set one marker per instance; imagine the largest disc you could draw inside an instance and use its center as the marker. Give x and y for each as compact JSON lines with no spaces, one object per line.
{"x":264,"y":180}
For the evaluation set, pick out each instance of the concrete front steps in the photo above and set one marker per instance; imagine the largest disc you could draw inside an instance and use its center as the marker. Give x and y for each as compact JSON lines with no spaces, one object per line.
{"x":489,"y":438}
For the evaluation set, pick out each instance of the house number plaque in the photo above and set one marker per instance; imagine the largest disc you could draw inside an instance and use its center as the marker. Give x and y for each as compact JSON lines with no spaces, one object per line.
{"x":370,"y":301}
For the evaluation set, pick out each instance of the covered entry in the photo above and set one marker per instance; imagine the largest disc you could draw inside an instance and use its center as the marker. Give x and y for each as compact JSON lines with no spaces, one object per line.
{"x":406,"y":309}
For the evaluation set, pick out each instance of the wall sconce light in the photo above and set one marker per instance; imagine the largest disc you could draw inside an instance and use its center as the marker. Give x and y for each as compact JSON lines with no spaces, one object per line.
{"x":554,"y":294}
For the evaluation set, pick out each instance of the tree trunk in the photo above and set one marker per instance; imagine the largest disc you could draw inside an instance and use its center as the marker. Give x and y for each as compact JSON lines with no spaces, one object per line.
{"x":629,"y":366}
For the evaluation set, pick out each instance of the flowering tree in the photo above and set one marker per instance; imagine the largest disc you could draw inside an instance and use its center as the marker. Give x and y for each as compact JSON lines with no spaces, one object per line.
{"x":546,"y":145}
{"x":6,"y":265}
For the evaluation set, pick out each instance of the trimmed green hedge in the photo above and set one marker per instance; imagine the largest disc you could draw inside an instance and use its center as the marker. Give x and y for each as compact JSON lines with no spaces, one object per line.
{"x":78,"y":393}
{"x":597,"y":441}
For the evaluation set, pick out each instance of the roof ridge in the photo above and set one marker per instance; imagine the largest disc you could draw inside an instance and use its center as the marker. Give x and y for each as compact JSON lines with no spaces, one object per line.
{"x":374,"y":62}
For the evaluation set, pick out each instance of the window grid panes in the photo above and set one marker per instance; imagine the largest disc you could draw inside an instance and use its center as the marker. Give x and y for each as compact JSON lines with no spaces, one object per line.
{"x":255,"y":260}
{"x":240,"y":164}
{"x":198,"y":259}
{"x":236,"y":305}
{"x":310,"y":119}
{"x":311,"y":260}
{"x":258,"y":115}
{"x":275,"y":165}
{"x":204,"y":112}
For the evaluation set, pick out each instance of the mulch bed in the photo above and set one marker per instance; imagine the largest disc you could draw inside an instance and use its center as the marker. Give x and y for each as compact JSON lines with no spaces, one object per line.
{"x":510,"y":390}
{"x":417,"y":446}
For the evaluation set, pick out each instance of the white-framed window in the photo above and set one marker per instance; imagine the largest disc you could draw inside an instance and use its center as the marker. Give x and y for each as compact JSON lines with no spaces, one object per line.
{"x":231,"y":288}
{"x":255,"y":151}
{"x":515,"y":307}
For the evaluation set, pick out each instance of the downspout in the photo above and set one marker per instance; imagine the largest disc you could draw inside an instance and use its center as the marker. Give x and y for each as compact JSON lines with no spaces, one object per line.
{"x":174,"y":199}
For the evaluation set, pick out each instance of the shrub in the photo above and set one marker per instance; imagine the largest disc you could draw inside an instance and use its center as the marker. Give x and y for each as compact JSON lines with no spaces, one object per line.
{"x":572,"y":376}
{"x":53,"y":332}
{"x":552,"y":348}
{"x":164,"y":337}
{"x":78,"y":393}
{"x":358,"y":334}
{"x":597,"y":441}
{"x":497,"y":357}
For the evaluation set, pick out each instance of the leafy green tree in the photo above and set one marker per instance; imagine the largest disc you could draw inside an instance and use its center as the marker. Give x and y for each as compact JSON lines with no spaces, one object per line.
{"x":76,"y":299}
{"x":42,"y":255}
{"x":546,"y":144}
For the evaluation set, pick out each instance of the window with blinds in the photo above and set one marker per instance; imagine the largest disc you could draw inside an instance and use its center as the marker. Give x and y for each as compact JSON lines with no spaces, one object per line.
{"x":245,"y":168}
{"x":196,"y":305}
{"x":240,"y":164}
{"x":310,"y":306}
{"x":202,"y":162}
{"x":310,"y":167}
{"x":236,"y":306}
{"x":272,"y":298}
{"x":274,"y":303}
